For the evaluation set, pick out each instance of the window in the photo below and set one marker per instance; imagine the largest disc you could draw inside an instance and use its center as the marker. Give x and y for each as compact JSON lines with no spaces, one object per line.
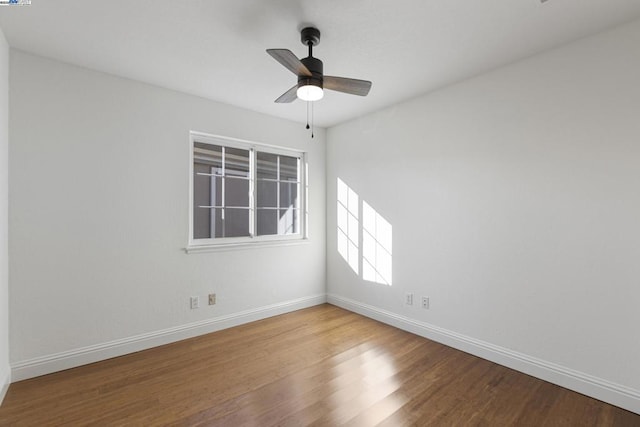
{"x":244,"y":192}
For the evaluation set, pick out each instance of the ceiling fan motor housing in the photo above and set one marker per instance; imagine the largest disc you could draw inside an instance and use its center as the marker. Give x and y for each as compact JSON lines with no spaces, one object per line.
{"x":315,"y":66}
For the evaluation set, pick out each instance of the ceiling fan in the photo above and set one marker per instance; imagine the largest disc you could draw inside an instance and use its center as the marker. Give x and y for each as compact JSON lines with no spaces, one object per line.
{"x":311,"y":80}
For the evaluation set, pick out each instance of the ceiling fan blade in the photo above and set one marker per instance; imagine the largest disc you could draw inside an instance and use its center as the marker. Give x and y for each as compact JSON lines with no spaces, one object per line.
{"x":288,"y":96}
{"x":351,"y":86}
{"x":290,"y":61}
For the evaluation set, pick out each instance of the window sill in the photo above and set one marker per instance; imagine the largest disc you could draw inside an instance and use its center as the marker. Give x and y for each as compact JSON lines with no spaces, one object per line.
{"x":221,"y":247}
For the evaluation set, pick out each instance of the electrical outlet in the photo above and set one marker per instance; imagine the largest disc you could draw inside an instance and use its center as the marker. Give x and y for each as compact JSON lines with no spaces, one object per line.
{"x":425,"y":302}
{"x":212,"y":299}
{"x":408,"y":299}
{"x":195,"y":302}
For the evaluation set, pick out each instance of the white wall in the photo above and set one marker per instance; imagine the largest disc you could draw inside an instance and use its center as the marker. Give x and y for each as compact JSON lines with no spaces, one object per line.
{"x":514,"y":199}
{"x":5,"y":372}
{"x":99,"y":218}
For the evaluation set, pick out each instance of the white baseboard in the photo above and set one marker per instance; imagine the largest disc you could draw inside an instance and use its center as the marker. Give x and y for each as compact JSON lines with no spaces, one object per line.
{"x":82,"y":356}
{"x":597,"y":388}
{"x":5,"y":380}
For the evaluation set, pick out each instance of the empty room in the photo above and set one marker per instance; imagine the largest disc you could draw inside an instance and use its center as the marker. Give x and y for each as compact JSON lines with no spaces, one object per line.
{"x":319,"y":212}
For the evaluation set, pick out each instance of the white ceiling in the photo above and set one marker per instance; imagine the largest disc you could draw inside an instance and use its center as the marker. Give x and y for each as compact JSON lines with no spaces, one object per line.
{"x":216,"y":48}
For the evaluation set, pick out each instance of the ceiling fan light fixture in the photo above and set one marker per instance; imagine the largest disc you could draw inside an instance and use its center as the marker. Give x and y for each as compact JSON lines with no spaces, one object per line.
{"x":310,"y":91}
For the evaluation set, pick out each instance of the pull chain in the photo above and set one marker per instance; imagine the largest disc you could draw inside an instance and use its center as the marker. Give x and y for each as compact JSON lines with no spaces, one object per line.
{"x":309,"y":102}
{"x":310,"y":45}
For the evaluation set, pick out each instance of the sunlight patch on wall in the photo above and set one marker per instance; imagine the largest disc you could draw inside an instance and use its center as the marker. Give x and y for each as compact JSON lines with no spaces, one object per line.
{"x":348,"y":225}
{"x":376,"y":235}
{"x":376,"y":246}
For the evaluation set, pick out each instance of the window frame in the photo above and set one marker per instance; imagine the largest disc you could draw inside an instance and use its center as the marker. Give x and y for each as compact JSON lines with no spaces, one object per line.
{"x":213,"y":243}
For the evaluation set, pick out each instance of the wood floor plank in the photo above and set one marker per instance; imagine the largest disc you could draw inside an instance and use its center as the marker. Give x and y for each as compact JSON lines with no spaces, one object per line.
{"x":319,"y":366}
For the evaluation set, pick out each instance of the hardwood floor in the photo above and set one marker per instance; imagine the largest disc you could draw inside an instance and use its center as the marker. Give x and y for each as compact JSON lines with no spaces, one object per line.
{"x":319,"y":366}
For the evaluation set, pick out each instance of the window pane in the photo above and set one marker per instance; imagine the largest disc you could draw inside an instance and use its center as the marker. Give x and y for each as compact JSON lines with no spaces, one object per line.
{"x":267,"y":194}
{"x":236,"y":192}
{"x":209,"y":224}
{"x":207,"y":154}
{"x":288,"y":221}
{"x":236,"y":162}
{"x":267,"y":165}
{"x":288,"y":195}
{"x":201,"y":223}
{"x":217,"y":223}
{"x":207,"y":191}
{"x":267,"y":222}
{"x":201,"y":197}
{"x":236,"y":222}
{"x":288,"y":168}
